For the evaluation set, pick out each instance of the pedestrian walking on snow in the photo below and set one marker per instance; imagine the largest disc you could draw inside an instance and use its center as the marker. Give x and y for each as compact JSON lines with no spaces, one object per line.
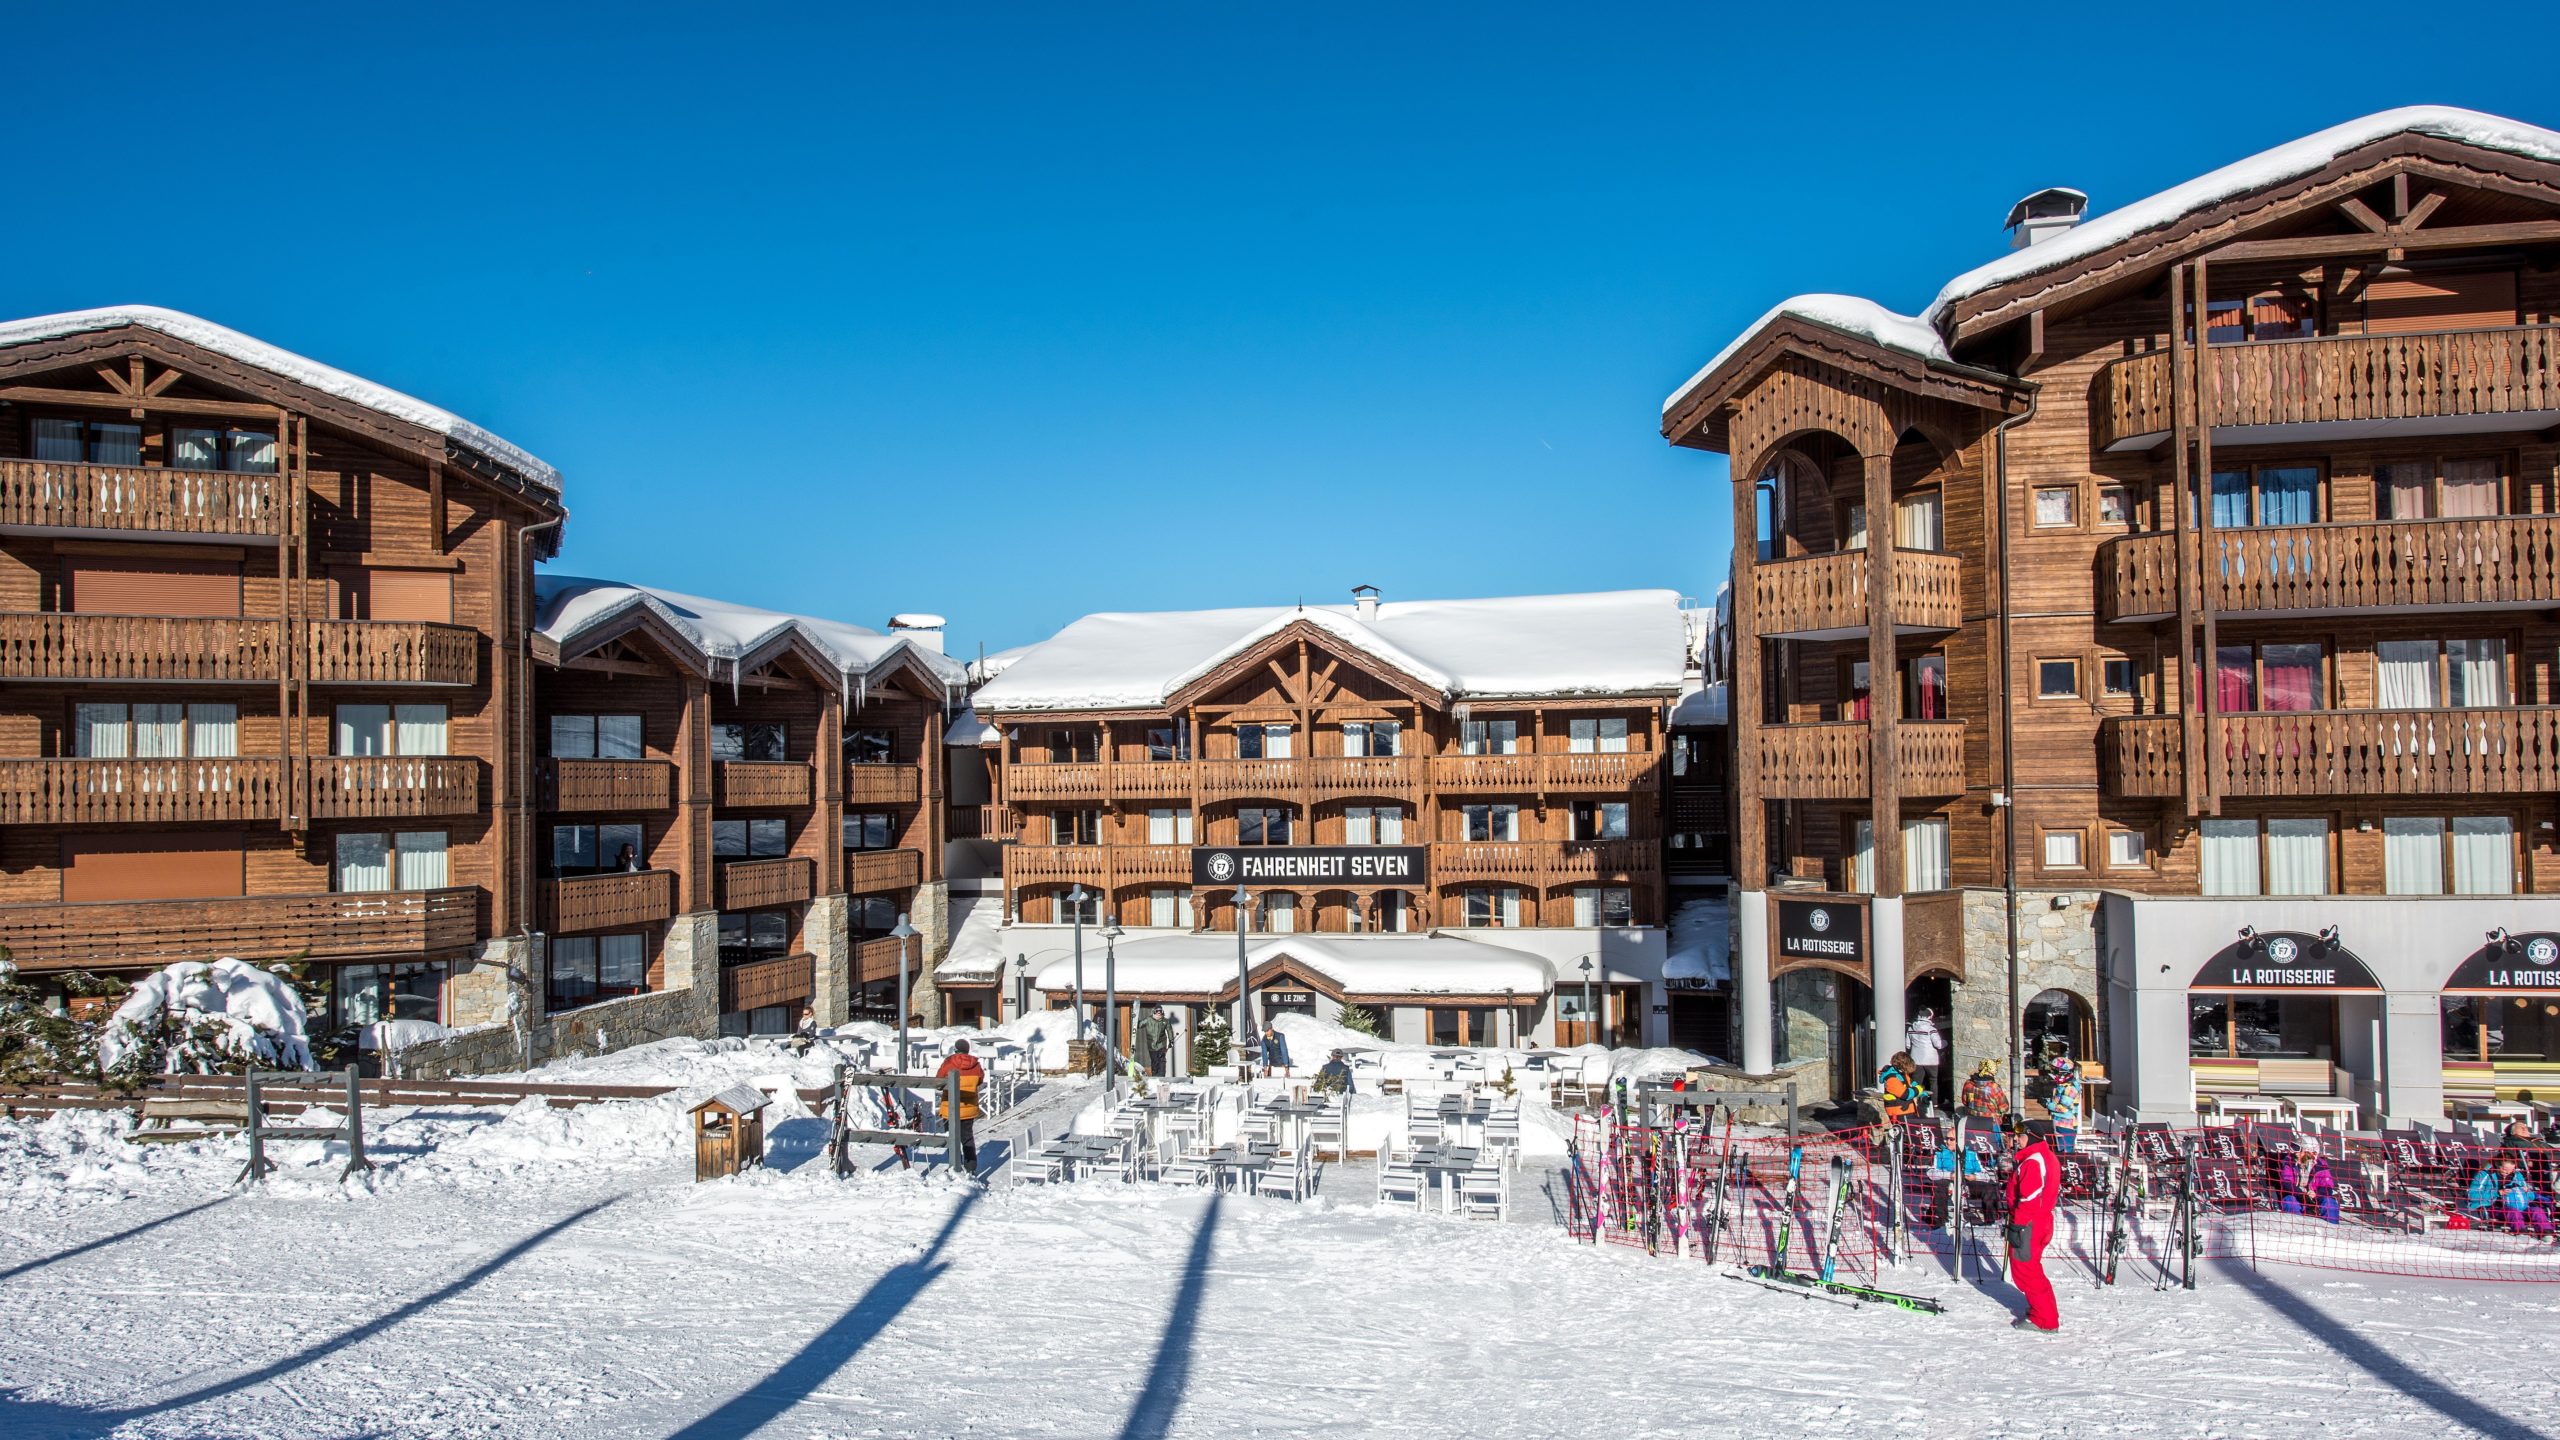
{"x":2034,"y":1187}
{"x":1155,"y":1041}
{"x":964,"y":1126}
{"x":1928,"y":1049}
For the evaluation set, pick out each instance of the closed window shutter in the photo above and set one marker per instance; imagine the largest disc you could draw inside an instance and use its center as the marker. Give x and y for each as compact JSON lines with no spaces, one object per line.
{"x":102,"y":585}
{"x":151,"y":867}
{"x":409,"y":595}
{"x":2440,"y":302}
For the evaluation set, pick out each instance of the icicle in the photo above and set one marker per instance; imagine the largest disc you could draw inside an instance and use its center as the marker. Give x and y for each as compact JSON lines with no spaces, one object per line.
{"x":737,"y":677}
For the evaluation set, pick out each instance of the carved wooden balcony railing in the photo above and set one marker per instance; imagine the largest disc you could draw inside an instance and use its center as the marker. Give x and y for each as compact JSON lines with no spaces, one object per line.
{"x":762,"y":784}
{"x":1485,"y":774}
{"x":867,"y":872}
{"x":984,"y":822}
{"x":1151,"y":779}
{"x":406,"y":924}
{"x":1344,"y":777}
{"x":392,"y":652}
{"x":206,"y":789}
{"x":1539,"y":863}
{"x":2364,"y":565}
{"x":1097,"y":866}
{"x":755,"y":884}
{"x":883,"y":784}
{"x":1831,"y":761}
{"x":782,"y":980}
{"x":1037,"y":783}
{"x":2511,"y":750}
{"x":2344,"y":379}
{"x":587,"y":786}
{"x":1629,"y":770}
{"x":877,"y":958}
{"x":57,"y":495}
{"x":604,"y":902}
{"x":49,"y":645}
{"x":1250,"y":779}
{"x":346,"y":787}
{"x":1827,"y":594}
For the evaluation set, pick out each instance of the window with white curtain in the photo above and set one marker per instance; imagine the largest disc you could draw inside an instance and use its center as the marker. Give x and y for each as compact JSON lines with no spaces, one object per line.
{"x":2476,"y":672}
{"x":1280,"y":913}
{"x":2484,"y":855}
{"x":1372,"y":737}
{"x":1492,"y":905}
{"x":1928,"y":862}
{"x":159,"y":731}
{"x":1598,"y":735}
{"x":1373,"y":825}
{"x":1603,"y":905}
{"x":419,"y":730}
{"x":112,"y":730}
{"x":96,"y":442}
{"x":363,"y":862}
{"x":1168,"y":909}
{"x":2413,"y":855}
{"x":1262,"y":742}
{"x":1393,"y":914}
{"x":2062,"y":849}
{"x":364,"y":730}
{"x":1862,"y":859}
{"x":101,"y":731}
{"x":2405,"y":675}
{"x":1499,"y":823}
{"x":2126,"y":850}
{"x":213,"y":730}
{"x":1489,"y":737}
{"x":2228,"y":857}
{"x":1169,"y":825}
{"x":196,"y":447}
{"x":1853,"y":528}
{"x":1919,"y":522}
{"x":2297,"y":856}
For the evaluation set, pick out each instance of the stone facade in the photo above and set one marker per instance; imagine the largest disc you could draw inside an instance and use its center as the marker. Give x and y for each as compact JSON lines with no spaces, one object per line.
{"x":2057,"y":950}
{"x":830,"y":930}
{"x":496,"y":1001}
{"x":931,"y":916}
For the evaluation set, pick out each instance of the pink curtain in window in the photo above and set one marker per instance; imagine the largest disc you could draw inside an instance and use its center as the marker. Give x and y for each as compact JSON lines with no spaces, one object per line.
{"x":2291,"y":683}
{"x":1929,"y":690}
{"x":2231,"y":687}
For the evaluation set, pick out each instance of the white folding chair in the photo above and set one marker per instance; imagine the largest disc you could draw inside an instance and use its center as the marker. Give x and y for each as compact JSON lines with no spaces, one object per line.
{"x":1502,"y":1133}
{"x":1187,"y":1167}
{"x":1293,"y":1180}
{"x":1398,"y":1182}
{"x":1422,"y":1120}
{"x":1036,"y":1163}
{"x":1331,"y":1128}
{"x":1482,"y":1191}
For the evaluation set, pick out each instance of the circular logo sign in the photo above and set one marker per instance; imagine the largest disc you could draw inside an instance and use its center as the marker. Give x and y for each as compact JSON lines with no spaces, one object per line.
{"x":1820,"y":920}
{"x":1222,"y":866}
{"x":2542,"y":950}
{"x":2283,"y":951}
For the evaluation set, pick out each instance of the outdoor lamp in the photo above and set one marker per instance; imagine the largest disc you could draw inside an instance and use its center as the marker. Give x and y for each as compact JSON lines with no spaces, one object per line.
{"x":902,"y":932}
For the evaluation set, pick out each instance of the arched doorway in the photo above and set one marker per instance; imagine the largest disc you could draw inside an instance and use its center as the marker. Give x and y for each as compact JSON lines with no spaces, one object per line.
{"x":2059,"y":1015}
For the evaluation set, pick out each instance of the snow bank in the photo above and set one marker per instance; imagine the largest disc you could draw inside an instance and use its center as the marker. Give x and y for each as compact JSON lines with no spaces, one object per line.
{"x":256,"y":1015}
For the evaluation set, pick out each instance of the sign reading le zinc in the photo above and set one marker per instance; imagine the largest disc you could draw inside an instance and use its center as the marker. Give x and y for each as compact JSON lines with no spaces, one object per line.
{"x":1305,"y":864}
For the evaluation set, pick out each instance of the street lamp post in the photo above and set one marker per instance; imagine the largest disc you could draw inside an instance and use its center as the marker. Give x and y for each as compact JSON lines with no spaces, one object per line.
{"x":902,"y":933}
{"x":1111,"y":1009}
{"x":1076,"y":899}
{"x":1590,"y":1016}
{"x":1022,"y":983}
{"x":1244,"y":982}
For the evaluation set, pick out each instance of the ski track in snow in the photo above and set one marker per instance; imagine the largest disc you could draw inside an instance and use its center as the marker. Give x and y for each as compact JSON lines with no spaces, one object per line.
{"x":526,"y":1273}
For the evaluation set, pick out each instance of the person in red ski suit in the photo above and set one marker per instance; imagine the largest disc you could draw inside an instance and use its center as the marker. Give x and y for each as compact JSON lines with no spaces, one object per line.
{"x":2034,"y":1186}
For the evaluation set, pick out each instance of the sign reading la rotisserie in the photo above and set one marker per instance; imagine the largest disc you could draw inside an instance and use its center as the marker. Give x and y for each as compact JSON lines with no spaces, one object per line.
{"x":1822,"y":930}
{"x":1309,"y":865}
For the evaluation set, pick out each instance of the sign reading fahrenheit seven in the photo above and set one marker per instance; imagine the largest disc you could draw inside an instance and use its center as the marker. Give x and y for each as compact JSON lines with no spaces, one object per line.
{"x":1354,"y":865}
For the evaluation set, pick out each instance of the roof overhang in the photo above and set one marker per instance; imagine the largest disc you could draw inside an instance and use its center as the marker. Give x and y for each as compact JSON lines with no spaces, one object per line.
{"x":1698,"y":417}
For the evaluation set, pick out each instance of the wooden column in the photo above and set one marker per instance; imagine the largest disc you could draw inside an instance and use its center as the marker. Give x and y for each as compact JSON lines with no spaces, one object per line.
{"x":2208,"y":563}
{"x":693,"y":799}
{"x":1884,"y":690}
{"x":2183,"y":668}
{"x":829,"y":761}
{"x":1750,"y":831}
{"x":935,"y":762}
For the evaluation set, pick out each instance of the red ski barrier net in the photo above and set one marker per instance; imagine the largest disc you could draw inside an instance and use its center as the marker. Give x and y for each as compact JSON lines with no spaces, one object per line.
{"x":2135,"y":1202}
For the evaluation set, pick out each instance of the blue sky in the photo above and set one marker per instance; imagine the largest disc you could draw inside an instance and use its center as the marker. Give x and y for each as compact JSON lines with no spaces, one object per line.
{"x":1018,"y":312}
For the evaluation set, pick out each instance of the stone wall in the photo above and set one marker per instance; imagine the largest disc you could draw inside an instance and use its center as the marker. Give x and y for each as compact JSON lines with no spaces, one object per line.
{"x":830,"y":931}
{"x":931,"y":915}
{"x":2057,"y":950}
{"x":494,"y":1002}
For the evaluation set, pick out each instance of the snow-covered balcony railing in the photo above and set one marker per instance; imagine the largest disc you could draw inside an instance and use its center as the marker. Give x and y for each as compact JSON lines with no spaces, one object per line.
{"x":756,"y":884}
{"x":868,"y":872}
{"x":883,"y":784}
{"x":763,"y":784}
{"x":1826,"y":595}
{"x":135,"y":933}
{"x":2418,"y":384}
{"x":602,"y":902}
{"x":582,"y":786}
{"x":2510,"y":750}
{"x":2356,"y":565}
{"x":1831,"y":761}
{"x":138,"y":499}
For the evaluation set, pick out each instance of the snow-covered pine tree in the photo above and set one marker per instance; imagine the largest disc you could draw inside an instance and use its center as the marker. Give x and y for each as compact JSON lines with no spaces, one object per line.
{"x":35,"y":1039}
{"x":1360,"y":1020}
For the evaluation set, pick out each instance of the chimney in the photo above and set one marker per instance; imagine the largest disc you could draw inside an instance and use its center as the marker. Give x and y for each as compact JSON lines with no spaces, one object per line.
{"x":2045,"y":214}
{"x":1364,"y":599}
{"x":924,"y":631}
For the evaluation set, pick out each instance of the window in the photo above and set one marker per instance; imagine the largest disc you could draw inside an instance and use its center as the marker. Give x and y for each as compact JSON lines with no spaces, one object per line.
{"x":2115,"y":506}
{"x":1924,"y":688}
{"x":403,"y":860}
{"x":2280,"y":314}
{"x":1373,"y":825}
{"x":93,"y":442}
{"x":2127,"y":850}
{"x":1169,"y":825}
{"x":1492,"y":905}
{"x":2115,"y":676}
{"x":2440,"y":490}
{"x":1277,"y":913}
{"x":2228,"y":863}
{"x":194,"y":447}
{"x":747,"y":936}
{"x":1919,"y":522}
{"x":1074,"y":747}
{"x":391,"y":730}
{"x":2057,"y":679}
{"x":597,"y":849}
{"x":1262,"y":742}
{"x":1169,"y":909}
{"x":748,"y":740}
{"x":406,"y":990}
{"x":1394,"y":915}
{"x":1168,"y":743}
{"x":1071,"y":909}
{"x":2266,"y":495}
{"x":2062,"y":849}
{"x":1489,"y":737}
{"x":1853,"y":527}
{"x":1075,"y":827}
{"x":2291,"y":853}
{"x":1491,"y":822}
{"x":1603,"y":905}
{"x":1471,"y":1027}
{"x":1597,"y":736}
{"x":2477,"y":853}
{"x":164,"y":731}
{"x":596,"y":737}
{"x":2271,"y":677}
{"x":2057,"y":506}
{"x":872,"y":915}
{"x":750,"y":839}
{"x":1372,"y":737}
{"x":2273,"y":1027}
{"x":870,"y":747}
{"x":1262,"y":825}
{"x":870,"y":830}
{"x":2501,"y":1027}
{"x":1599,"y":820}
{"x":2428,"y":674}
{"x":1927,"y":862}
{"x":1855,"y":686}
{"x":589,"y":968}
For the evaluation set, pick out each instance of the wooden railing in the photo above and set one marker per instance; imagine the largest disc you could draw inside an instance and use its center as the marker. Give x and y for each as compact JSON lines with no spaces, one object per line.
{"x":347,"y":787}
{"x":2343,"y":378}
{"x":1349,"y":776}
{"x":762,"y":784}
{"x":392,"y":652}
{"x":869,"y":871}
{"x":754,"y":884}
{"x":48,"y":645}
{"x":602,"y":902}
{"x":2359,"y":565}
{"x":53,"y":494}
{"x":1816,"y":593}
{"x":1629,"y":770}
{"x":883,"y":784}
{"x":1485,"y":774}
{"x":1831,"y":761}
{"x":1240,"y":779}
{"x":984,"y":822}
{"x":1078,"y":781}
{"x":1097,"y":865}
{"x":578,"y":786}
{"x":2506,"y":751}
{"x":1150,"y":779}
{"x":110,"y":792}
{"x":782,"y":980}
{"x":408,"y":924}
{"x":1542,"y":862}
{"x":877,"y":958}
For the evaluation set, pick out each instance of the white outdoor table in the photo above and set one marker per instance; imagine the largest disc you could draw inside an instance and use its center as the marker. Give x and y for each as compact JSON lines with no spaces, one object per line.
{"x":2256,"y":1106}
{"x":1445,"y":1163}
{"x":2336,"y":1112}
{"x":1082,"y":1151}
{"x":1297,"y":1113}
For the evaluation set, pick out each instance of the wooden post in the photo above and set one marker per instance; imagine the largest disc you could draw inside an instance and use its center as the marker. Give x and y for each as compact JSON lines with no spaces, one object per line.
{"x":2208,"y":557}
{"x":829,"y":761}
{"x":2183,"y":522}
{"x":693,"y":798}
{"x":1750,"y":832}
{"x":1884,"y":781}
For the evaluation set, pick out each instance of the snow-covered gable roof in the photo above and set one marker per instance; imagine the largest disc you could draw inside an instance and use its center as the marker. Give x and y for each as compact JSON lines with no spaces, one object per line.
{"x":1851,"y":315}
{"x":2288,"y":161}
{"x":301,"y":370}
{"x":1428,"y":964}
{"x":967,"y":730}
{"x":741,"y":1097}
{"x":1702,"y":706}
{"x":1611,"y":643}
{"x":725,"y":637}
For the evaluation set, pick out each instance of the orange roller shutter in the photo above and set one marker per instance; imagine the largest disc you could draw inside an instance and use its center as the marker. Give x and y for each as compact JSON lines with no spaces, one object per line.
{"x":117,"y":585}
{"x":2440,"y":302}
{"x":195,"y":866}
{"x":410,"y":595}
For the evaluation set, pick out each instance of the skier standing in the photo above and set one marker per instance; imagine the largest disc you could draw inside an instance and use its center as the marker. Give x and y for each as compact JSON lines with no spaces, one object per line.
{"x":1904,"y":1094}
{"x":2034,"y":1188}
{"x":2063,"y":1104}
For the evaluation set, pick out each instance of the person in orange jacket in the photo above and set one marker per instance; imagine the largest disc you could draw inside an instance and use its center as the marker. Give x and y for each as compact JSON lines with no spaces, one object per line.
{"x":964,"y":1128}
{"x":1903,"y":1092}
{"x":2035,"y":1186}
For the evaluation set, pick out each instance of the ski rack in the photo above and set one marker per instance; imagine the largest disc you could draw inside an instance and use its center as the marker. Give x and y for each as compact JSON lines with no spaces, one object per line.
{"x":846,"y":1135}
{"x":349,"y":1128}
{"x":1650,"y":1093}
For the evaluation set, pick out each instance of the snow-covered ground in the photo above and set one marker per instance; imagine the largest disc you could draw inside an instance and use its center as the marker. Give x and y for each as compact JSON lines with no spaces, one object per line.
{"x":538,"y":1273}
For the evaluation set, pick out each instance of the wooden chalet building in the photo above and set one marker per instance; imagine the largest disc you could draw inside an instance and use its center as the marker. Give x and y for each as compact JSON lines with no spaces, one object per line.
{"x":2297,"y":420}
{"x":1456,"y":802}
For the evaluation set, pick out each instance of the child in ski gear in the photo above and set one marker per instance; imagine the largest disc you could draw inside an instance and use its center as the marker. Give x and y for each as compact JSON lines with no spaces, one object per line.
{"x":2034,"y":1186}
{"x":2303,"y":1179}
{"x":964,"y":1126}
{"x":2501,"y":1193}
{"x":1334,"y":1077}
{"x":1275,"y":1051}
{"x":2063,"y":1104}
{"x":1903,"y":1092}
{"x":1983,"y":1099}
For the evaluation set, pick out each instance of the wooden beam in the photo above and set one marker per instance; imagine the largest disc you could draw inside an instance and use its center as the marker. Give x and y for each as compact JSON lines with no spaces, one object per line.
{"x":2363,"y":215}
{"x":1884,"y":687}
{"x":2206,"y":574}
{"x":168,"y":377}
{"x":2418,"y":213}
{"x":1750,"y":832}
{"x":46,"y":395}
{"x":436,"y":518}
{"x":2182,"y":521}
{"x":2400,"y":194}
{"x":2313,"y":247}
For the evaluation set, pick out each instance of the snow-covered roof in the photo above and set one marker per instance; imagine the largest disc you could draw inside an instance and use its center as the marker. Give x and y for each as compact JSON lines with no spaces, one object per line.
{"x":1702,"y":706}
{"x":916,"y":620}
{"x":1851,"y":315}
{"x":724,"y":636}
{"x":327,"y":379}
{"x":1701,"y":946}
{"x":1425,"y":964}
{"x":977,"y":951}
{"x":2288,"y":161}
{"x":1611,"y":643}
{"x":994,"y":663}
{"x":741,"y":1097}
{"x":968,"y":730}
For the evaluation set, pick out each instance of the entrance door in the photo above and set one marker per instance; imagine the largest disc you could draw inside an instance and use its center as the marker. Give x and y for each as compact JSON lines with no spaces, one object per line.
{"x":1702,"y":1021}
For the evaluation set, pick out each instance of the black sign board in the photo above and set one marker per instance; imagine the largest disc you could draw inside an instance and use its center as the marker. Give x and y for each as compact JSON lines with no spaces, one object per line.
{"x":2284,"y":960}
{"x":1822,"y":930}
{"x":2519,"y":964}
{"x":1351,"y":865}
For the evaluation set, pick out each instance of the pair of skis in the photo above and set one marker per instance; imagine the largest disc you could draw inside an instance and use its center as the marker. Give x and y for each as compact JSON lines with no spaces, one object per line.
{"x":1828,"y":1284}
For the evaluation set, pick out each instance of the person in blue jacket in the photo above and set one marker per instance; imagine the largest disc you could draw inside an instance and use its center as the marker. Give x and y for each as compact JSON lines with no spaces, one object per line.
{"x":1275,"y":1051}
{"x":2501,"y":1195}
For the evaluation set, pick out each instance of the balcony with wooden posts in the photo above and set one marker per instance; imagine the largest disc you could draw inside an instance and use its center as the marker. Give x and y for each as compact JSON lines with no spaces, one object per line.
{"x":2415,"y":384}
{"x":1346,"y":777}
{"x":1097,"y":866}
{"x":763,"y":784}
{"x":1033,"y":784}
{"x":222,"y":789}
{"x":2376,"y":565}
{"x":137,"y":500}
{"x":877,"y":958}
{"x":390,"y":787}
{"x":782,"y":980}
{"x":606,"y":902}
{"x":2505,"y":750}
{"x":869,"y":872}
{"x":1276,"y":779}
{"x":985,"y":822}
{"x":126,"y":934}
{"x":391,"y":652}
{"x":1830,"y":761}
{"x":1824,"y":597}
{"x":1602,"y":772}
{"x":1539,"y":863}
{"x":757,"y":884}
{"x":572,"y":787}
{"x":1151,"y":779}
{"x":1485,"y":774}
{"x":883,"y":784}
{"x":52,"y":645}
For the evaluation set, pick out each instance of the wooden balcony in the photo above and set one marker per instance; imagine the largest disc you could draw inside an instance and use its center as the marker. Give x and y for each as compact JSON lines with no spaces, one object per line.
{"x":763,"y":785}
{"x":48,"y":645}
{"x":1346,"y":777}
{"x":1041,"y":783}
{"x":868,"y":872}
{"x":345,"y":787}
{"x":1825,"y":596}
{"x":984,"y":822}
{"x":589,"y":786}
{"x":124,"y":934}
{"x":2379,"y":565}
{"x":1830,"y":761}
{"x":392,"y":652}
{"x":1151,"y":779}
{"x":2377,"y":384}
{"x":2311,"y":753}
{"x":607,"y":902}
{"x":877,"y":958}
{"x":1485,"y":774}
{"x":136,"y":499}
{"x":1539,"y":863}
{"x":1251,"y":779}
{"x":883,"y":784}
{"x":1097,"y":866}
{"x":1631,"y":770}
{"x":757,"y":884}
{"x":208,"y":790}
{"x":783,"y":980}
